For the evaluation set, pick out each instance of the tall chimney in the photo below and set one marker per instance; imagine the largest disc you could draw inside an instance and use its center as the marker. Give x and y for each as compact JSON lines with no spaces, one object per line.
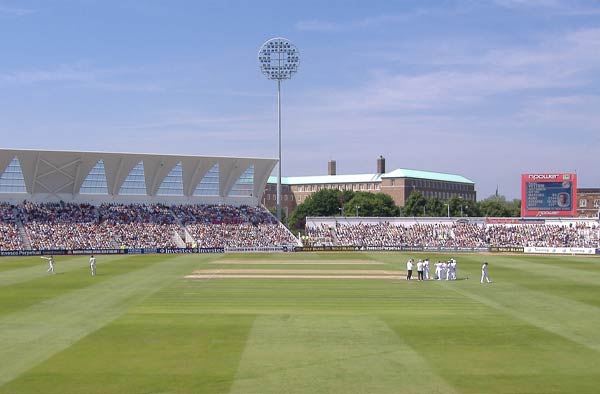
{"x":381,"y":165}
{"x":331,"y":167}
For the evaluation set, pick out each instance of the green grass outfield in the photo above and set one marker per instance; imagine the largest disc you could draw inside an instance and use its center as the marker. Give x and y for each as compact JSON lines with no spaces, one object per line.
{"x":141,"y":327}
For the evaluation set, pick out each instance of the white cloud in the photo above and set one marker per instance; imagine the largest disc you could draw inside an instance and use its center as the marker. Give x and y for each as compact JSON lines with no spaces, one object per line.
{"x":367,"y":22}
{"x":170,"y":122}
{"x":528,"y":3}
{"x":556,"y":62}
{"x":318,"y":26}
{"x":113,"y":79}
{"x":561,"y":7}
{"x":14,"y":11}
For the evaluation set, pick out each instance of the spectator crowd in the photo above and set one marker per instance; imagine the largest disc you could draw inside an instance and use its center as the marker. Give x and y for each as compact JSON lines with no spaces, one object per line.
{"x":9,"y":233}
{"x":233,"y":227}
{"x":71,"y":226}
{"x":461,"y":235}
{"x":60,"y":225}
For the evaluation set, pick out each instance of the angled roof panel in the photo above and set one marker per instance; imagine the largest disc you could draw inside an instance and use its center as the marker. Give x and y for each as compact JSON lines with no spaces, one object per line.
{"x":365,"y":178}
{"x":418,"y":174}
{"x":60,"y":174}
{"x":325,"y":179}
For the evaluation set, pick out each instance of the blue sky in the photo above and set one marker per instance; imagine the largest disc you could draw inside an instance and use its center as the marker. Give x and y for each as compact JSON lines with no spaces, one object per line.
{"x":485,"y":89}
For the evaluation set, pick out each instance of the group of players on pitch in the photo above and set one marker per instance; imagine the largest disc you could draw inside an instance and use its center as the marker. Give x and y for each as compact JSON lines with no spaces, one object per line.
{"x":444,"y":270}
{"x":51,"y":264}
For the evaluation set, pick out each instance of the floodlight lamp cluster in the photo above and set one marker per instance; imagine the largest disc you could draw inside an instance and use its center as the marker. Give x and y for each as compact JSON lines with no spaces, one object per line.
{"x":279,"y":59}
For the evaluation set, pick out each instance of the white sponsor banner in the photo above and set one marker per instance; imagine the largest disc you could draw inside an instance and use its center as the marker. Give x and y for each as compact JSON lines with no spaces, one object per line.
{"x":548,"y":250}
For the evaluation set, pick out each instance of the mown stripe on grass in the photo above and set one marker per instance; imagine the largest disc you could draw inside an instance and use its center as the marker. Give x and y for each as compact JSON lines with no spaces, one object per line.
{"x":563,"y":272}
{"x":29,"y":272}
{"x":573,"y":320}
{"x":20,"y":275}
{"x":331,"y":354}
{"x":20,"y":296}
{"x":30,"y":336}
{"x":8,"y":263}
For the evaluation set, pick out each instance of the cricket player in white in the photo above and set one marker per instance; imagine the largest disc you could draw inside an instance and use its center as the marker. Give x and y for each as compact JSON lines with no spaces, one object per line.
{"x":50,"y":263}
{"x":426,"y":269}
{"x":454,"y":264}
{"x":451,"y":273}
{"x":438,"y":270}
{"x":484,"y":274}
{"x":93,"y":265}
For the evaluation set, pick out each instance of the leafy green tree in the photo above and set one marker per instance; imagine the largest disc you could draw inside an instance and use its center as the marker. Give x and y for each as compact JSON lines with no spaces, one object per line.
{"x":514,"y":207}
{"x":326,"y":202}
{"x":414,"y":205}
{"x":435,"y":207}
{"x":372,"y":205}
{"x":498,"y":206}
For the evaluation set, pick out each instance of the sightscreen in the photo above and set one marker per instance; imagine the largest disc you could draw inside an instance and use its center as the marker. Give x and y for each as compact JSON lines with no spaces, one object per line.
{"x":548,"y":195}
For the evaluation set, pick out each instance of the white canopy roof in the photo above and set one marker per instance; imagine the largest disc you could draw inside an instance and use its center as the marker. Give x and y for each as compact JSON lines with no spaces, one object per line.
{"x":52,"y":175}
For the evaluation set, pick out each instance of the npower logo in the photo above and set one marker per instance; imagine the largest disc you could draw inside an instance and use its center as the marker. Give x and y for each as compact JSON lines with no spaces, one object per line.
{"x":538,"y":177}
{"x":547,"y":213}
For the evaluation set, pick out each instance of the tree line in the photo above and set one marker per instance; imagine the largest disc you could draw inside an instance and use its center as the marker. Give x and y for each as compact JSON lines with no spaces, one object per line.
{"x":330,"y":202}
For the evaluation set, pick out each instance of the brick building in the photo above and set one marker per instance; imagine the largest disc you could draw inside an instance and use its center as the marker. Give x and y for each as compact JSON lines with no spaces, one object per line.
{"x":398,"y":184}
{"x":588,"y":202}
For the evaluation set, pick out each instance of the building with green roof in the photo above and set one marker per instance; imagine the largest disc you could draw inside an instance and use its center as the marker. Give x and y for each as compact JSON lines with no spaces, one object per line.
{"x":398,"y":184}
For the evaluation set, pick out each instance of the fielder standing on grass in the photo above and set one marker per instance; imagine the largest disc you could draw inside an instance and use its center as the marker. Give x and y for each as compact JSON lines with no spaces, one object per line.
{"x":50,"y":263}
{"x":93,"y":265}
{"x":484,"y":274}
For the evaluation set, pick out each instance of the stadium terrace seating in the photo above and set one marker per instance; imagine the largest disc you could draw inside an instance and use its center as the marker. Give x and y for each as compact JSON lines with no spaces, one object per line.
{"x":455,"y":235}
{"x":222,"y":214}
{"x":233,"y":227}
{"x":578,"y":236}
{"x":9,"y":233}
{"x":321,"y":235}
{"x":109,"y":226}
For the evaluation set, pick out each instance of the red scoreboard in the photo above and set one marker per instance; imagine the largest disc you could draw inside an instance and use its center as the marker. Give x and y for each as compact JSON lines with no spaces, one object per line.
{"x":548,"y":195}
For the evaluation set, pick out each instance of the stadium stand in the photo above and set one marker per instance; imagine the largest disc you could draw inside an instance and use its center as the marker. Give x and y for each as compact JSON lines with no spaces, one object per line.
{"x":460,"y":235}
{"x":71,"y":226}
{"x":10,"y":238}
{"x":233,"y":227}
{"x":109,"y":226}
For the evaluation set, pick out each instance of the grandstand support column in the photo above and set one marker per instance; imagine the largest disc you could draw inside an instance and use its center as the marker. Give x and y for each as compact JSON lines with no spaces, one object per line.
{"x":279,"y":171}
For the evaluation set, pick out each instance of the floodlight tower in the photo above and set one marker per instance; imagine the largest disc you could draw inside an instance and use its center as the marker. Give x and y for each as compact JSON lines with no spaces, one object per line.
{"x":279,"y":60}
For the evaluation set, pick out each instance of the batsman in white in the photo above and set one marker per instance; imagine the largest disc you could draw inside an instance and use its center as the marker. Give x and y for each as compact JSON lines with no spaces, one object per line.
{"x":484,"y":274}
{"x":93,"y":265}
{"x":438,"y":270}
{"x":451,"y":269}
{"x":50,"y":263}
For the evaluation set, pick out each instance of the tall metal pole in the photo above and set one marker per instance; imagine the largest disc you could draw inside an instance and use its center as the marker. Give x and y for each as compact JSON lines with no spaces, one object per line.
{"x":279,"y":172}
{"x":279,"y":59}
